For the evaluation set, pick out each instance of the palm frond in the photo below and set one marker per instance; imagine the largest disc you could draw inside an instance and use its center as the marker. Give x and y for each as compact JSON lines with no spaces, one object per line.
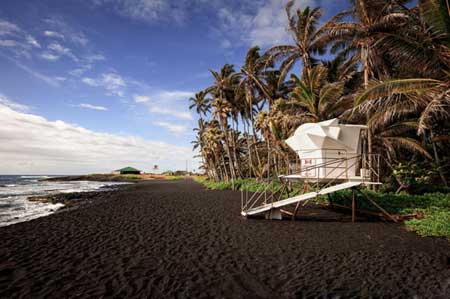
{"x":393,"y":87}
{"x":408,"y":144}
{"x":436,"y":14}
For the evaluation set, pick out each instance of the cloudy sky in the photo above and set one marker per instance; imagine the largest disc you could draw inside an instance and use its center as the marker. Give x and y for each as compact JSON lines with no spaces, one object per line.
{"x":95,"y":85}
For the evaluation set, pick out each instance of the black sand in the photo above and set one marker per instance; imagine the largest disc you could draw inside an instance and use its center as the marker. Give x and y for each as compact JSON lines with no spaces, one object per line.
{"x":173,"y":239}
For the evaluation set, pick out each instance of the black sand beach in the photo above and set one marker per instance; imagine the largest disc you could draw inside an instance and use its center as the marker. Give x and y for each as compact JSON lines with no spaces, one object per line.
{"x":174,"y":239}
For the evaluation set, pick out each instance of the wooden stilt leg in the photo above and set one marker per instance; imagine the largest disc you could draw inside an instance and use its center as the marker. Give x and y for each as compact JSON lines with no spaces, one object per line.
{"x":297,"y":207}
{"x":378,"y":206}
{"x":353,"y":205}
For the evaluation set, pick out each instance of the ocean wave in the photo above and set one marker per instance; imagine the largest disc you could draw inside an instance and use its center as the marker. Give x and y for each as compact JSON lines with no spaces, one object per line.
{"x":17,"y":208}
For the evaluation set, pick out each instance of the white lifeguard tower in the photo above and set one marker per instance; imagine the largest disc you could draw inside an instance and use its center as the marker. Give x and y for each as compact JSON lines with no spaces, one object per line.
{"x":330,"y":157}
{"x":328,"y":151}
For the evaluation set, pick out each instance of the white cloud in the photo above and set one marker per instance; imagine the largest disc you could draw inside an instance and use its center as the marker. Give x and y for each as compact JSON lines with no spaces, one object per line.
{"x":79,"y":38}
{"x":264,"y":25}
{"x":17,"y":41}
{"x":8,"y":28}
{"x":60,"y":50}
{"x":176,"y":129}
{"x":5,"y":101}
{"x":150,"y":10}
{"x":61,"y":79}
{"x":112,"y":82}
{"x":21,"y":38}
{"x":167,"y":102}
{"x":90,"y":81}
{"x":168,"y":95}
{"x":49,"y":56}
{"x":95,"y":57}
{"x":141,"y":99}
{"x":32,"y":144}
{"x":93,"y":107}
{"x":32,"y":41}
{"x":225,"y":43}
{"x":171,"y":112}
{"x":8,"y":43}
{"x":80,"y":71}
{"x":40,"y":76}
{"x":53,"y":34}
{"x":61,"y":30}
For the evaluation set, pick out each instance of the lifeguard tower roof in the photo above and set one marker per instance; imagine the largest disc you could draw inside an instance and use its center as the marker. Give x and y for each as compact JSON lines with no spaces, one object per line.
{"x":329,"y":134}
{"x":327,"y":150}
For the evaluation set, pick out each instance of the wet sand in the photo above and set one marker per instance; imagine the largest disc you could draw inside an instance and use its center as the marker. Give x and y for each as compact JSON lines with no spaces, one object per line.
{"x":174,"y":239}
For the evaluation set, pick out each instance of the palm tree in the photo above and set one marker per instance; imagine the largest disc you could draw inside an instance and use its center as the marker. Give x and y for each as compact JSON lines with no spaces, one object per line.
{"x":319,"y":99}
{"x":308,"y":39}
{"x":391,"y":70}
{"x":223,"y":91}
{"x":372,"y":20}
{"x":212,"y":147}
{"x":429,"y":97}
{"x":254,"y":91}
{"x":200,"y":103}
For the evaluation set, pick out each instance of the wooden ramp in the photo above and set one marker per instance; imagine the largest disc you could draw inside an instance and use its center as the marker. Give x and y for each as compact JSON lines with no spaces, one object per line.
{"x":281,"y":203}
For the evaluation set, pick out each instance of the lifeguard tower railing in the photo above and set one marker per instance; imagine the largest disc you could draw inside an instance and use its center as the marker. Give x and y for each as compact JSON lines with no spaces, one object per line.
{"x":335,"y":164}
{"x":335,"y":170}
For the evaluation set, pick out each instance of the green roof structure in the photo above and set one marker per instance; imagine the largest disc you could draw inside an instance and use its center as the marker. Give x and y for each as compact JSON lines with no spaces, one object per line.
{"x":128,"y":170}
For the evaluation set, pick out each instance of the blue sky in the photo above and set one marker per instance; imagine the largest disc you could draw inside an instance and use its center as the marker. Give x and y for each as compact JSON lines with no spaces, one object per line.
{"x":118,"y":73}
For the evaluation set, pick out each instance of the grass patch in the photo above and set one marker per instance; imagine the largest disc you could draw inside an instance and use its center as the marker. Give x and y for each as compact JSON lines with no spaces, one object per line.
{"x":173,"y":177}
{"x":434,"y":206}
{"x":251,"y":185}
{"x":131,"y":177}
{"x":436,"y":223}
{"x":393,"y":203}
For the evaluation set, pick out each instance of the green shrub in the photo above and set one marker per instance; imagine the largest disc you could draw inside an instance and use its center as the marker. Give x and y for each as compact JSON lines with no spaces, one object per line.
{"x":419,"y":177}
{"x":393,"y":203}
{"x":436,"y":223}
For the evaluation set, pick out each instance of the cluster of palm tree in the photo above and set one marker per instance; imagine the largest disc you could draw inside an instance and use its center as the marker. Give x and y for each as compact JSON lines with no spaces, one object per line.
{"x":383,"y":63}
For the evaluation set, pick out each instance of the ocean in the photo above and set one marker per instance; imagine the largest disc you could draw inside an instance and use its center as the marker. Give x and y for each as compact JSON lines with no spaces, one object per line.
{"x":15,"y":189}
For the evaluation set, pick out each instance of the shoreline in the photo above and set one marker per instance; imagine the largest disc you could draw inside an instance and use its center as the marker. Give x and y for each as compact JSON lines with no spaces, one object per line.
{"x":72,"y":199}
{"x":93,"y":178}
{"x":43,"y":198}
{"x":176,"y":239}
{"x":108,"y":177}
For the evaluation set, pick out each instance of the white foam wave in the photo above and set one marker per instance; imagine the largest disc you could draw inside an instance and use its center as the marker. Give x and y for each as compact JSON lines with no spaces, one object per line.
{"x":15,"y":207}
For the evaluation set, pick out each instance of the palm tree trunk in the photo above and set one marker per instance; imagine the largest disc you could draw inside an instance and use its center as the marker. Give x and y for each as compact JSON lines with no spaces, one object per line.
{"x":258,"y":159}
{"x":255,"y":144}
{"x":235,"y":156}
{"x":365,"y":62}
{"x":249,"y":151}
{"x":306,"y":63}
{"x":225,"y":171}
{"x":438,"y":162}
{"x":228,"y":152}
{"x":216,"y":170}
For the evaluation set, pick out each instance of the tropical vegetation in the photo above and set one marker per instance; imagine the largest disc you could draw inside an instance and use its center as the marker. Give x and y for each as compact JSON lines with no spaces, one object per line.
{"x":383,"y":63}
